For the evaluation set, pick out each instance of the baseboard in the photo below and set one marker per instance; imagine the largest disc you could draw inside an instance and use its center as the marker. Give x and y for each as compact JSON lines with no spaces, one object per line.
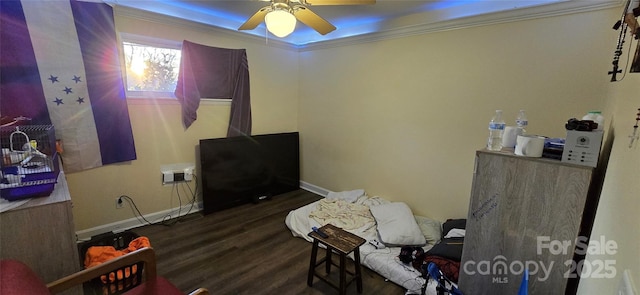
{"x":120,"y":226}
{"x":314,"y":188}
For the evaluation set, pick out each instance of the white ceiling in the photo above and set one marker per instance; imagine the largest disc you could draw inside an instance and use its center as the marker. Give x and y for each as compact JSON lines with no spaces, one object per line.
{"x":385,"y":18}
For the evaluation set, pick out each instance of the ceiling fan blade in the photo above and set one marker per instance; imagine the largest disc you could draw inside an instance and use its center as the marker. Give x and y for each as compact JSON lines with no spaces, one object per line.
{"x":338,"y":2}
{"x":255,"y":19}
{"x":311,"y":19}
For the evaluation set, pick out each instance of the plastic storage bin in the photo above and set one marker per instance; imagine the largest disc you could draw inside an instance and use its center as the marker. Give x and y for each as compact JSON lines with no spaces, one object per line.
{"x":121,"y":283}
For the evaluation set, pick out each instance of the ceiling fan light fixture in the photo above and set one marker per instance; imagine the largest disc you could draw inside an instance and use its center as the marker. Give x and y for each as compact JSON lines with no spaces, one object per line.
{"x":280,"y":22}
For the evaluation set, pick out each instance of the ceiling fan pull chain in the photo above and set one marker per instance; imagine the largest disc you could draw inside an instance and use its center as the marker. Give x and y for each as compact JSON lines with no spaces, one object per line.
{"x":266,"y":35}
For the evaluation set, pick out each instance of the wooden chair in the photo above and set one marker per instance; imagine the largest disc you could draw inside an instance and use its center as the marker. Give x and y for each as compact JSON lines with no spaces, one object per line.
{"x":16,"y":277}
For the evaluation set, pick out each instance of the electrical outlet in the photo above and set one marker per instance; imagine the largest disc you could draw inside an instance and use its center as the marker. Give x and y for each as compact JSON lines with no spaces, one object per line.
{"x":119,"y":203}
{"x":188,"y":174}
{"x":177,"y":173}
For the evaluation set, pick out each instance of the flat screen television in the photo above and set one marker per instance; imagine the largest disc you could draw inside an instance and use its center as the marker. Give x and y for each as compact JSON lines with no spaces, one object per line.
{"x":239,"y":170}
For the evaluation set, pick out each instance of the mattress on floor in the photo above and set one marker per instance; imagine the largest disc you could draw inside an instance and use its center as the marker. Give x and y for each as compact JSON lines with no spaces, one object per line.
{"x":383,"y":261}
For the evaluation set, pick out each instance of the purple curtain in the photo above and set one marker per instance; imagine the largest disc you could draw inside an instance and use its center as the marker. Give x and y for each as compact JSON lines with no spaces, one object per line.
{"x":212,"y":72}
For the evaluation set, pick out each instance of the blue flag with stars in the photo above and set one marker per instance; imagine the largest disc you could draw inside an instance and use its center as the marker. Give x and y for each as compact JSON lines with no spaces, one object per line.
{"x":60,"y":66}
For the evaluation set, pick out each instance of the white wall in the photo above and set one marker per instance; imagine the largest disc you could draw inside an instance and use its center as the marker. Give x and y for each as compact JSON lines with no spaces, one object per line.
{"x":617,"y":219}
{"x":402,"y":118}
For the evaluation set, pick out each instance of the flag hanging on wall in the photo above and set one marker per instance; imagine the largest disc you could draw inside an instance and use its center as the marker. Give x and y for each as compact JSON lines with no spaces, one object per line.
{"x":60,"y":65}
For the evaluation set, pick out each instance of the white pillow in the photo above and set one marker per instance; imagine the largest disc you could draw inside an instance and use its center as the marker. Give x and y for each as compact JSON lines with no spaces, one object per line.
{"x":455,"y":233}
{"x":396,"y":225}
{"x":431,"y":229}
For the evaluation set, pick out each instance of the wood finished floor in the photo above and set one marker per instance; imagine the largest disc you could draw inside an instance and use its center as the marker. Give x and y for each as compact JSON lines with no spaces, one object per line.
{"x":246,"y":250}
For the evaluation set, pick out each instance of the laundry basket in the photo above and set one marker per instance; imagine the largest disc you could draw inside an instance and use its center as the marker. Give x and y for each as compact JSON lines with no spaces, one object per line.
{"x":116,"y":282}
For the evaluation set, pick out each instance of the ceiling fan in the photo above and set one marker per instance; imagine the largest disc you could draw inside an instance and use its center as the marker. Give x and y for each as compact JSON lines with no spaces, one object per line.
{"x":281,"y":15}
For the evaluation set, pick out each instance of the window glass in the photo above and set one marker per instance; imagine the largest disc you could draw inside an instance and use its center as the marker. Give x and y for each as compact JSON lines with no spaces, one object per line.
{"x":151,"y":70}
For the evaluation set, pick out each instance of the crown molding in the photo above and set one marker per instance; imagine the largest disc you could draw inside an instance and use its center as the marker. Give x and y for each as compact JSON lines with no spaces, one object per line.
{"x":123,"y":11}
{"x":475,"y":21}
{"x":543,"y":11}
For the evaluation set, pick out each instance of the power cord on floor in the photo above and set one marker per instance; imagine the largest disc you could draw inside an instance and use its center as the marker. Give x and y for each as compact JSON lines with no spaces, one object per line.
{"x":167,"y":219}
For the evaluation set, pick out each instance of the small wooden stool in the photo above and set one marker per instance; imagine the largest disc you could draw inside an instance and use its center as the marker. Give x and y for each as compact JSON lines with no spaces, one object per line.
{"x":343,"y":243}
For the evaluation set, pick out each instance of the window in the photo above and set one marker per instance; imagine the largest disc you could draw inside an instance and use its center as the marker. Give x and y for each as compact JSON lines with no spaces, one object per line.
{"x":152,"y":66}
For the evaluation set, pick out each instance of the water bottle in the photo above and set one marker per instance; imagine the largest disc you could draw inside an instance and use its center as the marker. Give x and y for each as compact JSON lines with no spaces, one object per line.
{"x":521,"y":122}
{"x":496,"y":128}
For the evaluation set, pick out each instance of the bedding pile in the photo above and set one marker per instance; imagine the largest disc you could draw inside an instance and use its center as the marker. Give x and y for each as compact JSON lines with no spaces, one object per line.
{"x":391,"y":224}
{"x":342,"y":214}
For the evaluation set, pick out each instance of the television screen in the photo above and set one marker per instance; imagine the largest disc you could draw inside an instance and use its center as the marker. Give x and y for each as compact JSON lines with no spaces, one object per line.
{"x":238,"y":170}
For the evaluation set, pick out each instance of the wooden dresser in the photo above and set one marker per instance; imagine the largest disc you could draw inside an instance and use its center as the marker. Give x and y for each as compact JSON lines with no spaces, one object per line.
{"x":40,"y":232}
{"x":520,"y":210}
